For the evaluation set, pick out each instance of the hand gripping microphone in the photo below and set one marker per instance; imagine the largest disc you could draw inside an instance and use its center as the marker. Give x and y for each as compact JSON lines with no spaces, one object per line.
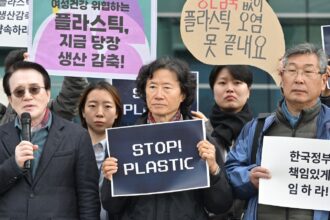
{"x":26,"y":133}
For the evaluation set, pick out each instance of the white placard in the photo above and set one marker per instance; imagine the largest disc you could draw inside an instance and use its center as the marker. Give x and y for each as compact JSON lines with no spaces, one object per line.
{"x":300,"y":173}
{"x":14,"y":18}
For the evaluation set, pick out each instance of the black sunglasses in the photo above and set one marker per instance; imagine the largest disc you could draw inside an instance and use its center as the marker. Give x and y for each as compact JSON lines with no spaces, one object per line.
{"x":20,"y":91}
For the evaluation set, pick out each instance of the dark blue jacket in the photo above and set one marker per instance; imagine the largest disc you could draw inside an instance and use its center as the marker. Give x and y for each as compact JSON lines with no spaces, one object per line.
{"x":238,"y":164}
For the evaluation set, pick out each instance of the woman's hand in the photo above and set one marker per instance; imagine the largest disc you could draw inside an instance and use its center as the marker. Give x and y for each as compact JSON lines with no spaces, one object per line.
{"x":109,"y":167}
{"x":207,"y":152}
{"x":199,"y":115}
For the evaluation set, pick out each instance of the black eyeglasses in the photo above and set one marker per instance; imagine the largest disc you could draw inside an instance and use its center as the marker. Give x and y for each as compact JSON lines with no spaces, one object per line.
{"x":33,"y":90}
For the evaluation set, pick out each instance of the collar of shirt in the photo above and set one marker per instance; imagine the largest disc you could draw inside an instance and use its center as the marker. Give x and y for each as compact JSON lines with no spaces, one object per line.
{"x":101,"y":146}
{"x":291,"y":118}
{"x":99,"y":150}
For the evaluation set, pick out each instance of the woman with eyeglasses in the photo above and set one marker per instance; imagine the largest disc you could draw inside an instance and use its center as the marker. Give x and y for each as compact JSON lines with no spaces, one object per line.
{"x":100,"y":108}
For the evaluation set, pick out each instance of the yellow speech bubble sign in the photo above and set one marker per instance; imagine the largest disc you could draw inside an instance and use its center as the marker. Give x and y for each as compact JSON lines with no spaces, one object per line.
{"x":219,"y":32}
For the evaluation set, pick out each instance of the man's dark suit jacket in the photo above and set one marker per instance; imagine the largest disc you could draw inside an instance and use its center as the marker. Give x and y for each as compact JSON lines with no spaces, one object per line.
{"x":65,"y":185}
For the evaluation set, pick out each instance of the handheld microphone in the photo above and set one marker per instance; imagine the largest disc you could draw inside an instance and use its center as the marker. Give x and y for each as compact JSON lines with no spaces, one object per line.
{"x":26,"y":133}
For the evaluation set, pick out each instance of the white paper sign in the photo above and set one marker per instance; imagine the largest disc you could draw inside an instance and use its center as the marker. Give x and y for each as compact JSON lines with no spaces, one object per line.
{"x":300,"y":173}
{"x":14,"y":18}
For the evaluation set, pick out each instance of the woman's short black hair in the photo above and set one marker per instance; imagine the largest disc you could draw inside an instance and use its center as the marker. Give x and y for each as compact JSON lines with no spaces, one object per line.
{"x":24,"y":65}
{"x":238,"y":72}
{"x":186,"y":79}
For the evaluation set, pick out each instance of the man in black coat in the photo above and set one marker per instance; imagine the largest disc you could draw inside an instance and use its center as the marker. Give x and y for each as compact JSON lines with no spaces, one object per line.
{"x":62,"y":182}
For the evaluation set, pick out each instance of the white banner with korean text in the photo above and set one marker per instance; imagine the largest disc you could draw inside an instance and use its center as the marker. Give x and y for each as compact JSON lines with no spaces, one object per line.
{"x":14,"y":16}
{"x":300,"y":173}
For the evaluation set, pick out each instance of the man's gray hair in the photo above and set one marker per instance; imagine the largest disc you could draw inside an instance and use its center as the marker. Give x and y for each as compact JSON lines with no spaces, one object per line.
{"x":308,"y":48}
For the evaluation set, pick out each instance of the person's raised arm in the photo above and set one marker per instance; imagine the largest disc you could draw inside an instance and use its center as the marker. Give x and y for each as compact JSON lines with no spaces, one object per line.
{"x":66,"y":103}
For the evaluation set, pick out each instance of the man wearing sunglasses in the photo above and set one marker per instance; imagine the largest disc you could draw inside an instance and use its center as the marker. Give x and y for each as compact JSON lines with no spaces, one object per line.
{"x":62,"y":182}
{"x":65,"y":104}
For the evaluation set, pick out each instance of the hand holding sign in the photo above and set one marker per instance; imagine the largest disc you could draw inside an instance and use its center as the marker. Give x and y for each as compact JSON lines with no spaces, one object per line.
{"x":198,"y":115}
{"x":206,"y":151}
{"x":257,"y":173}
{"x":109,"y":167}
{"x":233,"y":32}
